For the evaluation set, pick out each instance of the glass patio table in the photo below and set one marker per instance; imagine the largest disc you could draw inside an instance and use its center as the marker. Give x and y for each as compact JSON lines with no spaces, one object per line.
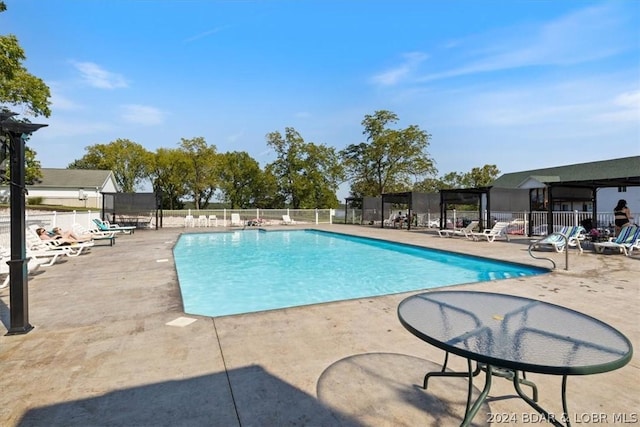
{"x":508,"y":336}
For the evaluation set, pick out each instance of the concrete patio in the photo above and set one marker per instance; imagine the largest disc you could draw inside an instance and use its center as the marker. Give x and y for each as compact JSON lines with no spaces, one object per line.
{"x":104,"y":354}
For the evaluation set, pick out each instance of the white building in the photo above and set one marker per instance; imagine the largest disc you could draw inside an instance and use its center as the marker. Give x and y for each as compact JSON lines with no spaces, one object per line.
{"x":574,"y":186}
{"x":73,"y":187}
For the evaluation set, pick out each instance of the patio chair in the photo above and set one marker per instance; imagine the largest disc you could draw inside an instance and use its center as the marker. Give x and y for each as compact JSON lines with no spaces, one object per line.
{"x":389,"y":222}
{"x":5,"y":255}
{"x":108,"y":227}
{"x":567,"y":236}
{"x":213,"y":221}
{"x":236,"y":221}
{"x":626,"y":242}
{"x":95,"y":233}
{"x":286,"y":220}
{"x":498,"y":230}
{"x":40,"y":248}
{"x":465,"y":231}
{"x":72,"y":249}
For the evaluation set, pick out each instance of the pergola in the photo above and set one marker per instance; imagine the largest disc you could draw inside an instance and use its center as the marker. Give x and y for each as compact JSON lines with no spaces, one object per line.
{"x":397,"y":198}
{"x":464,"y":196}
{"x":582,"y":190}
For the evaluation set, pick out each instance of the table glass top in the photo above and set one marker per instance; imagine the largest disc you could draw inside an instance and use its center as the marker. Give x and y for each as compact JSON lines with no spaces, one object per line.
{"x":515,"y":332}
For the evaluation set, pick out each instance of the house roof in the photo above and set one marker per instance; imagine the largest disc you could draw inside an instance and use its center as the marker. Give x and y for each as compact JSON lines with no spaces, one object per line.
{"x":614,"y":172}
{"x":73,"y":178}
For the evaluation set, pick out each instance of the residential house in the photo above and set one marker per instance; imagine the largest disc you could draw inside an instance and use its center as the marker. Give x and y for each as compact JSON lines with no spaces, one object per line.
{"x":73,"y":187}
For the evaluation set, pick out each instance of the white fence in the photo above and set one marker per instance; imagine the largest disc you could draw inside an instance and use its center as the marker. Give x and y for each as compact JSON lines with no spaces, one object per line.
{"x":173,"y":218}
{"x":519,"y":220}
{"x":222,"y":218}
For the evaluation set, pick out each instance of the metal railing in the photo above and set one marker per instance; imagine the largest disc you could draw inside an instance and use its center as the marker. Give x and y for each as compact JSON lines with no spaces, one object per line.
{"x":519,"y":220}
{"x":222,"y":217}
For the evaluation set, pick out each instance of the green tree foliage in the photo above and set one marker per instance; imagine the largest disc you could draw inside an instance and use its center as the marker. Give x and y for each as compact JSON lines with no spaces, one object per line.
{"x":389,"y":159}
{"x":32,"y":171}
{"x":17,"y":86}
{"x":130,"y":162}
{"x":477,"y":177}
{"x":482,"y":177}
{"x":241,"y":179}
{"x":167,"y":176}
{"x":307,"y":174}
{"x":201,"y":172}
{"x":268,"y":197}
{"x":429,"y":185}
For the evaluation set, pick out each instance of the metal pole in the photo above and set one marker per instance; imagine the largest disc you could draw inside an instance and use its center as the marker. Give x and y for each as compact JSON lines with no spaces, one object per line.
{"x":18,"y":280}
{"x":19,"y":288}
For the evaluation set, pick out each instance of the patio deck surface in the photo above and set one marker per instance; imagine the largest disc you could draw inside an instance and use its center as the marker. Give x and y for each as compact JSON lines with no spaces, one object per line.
{"x":103,"y":354}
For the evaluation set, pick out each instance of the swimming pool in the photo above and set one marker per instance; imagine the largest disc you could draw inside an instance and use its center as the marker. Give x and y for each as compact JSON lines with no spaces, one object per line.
{"x":253,"y":270}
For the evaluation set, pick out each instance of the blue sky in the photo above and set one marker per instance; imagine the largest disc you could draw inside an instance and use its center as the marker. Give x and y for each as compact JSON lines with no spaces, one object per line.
{"x":519,"y":84}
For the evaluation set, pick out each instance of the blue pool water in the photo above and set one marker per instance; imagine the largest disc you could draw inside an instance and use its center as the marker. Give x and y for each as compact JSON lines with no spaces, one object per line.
{"x":253,"y":270}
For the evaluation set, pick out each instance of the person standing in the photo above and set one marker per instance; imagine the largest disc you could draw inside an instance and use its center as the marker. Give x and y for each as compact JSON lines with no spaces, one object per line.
{"x":622,"y":215}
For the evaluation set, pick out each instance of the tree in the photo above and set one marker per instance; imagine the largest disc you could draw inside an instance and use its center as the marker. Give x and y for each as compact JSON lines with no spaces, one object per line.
{"x":240,"y":179}
{"x":482,"y":177}
{"x":200,"y":173}
{"x":307,"y":174}
{"x":429,"y":185}
{"x":130,"y":162}
{"x":32,"y":172}
{"x":167,"y":176}
{"x":477,"y":177}
{"x":17,"y":86}
{"x":389,"y":159}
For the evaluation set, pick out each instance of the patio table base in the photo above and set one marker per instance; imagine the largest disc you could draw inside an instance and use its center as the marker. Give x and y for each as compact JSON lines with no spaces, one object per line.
{"x":518,"y":381}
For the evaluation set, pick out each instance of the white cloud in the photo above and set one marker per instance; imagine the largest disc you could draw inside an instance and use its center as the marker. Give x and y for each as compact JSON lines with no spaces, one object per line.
{"x":235,"y":137}
{"x":142,"y":114}
{"x":62,"y":128}
{"x":625,"y":107}
{"x":98,"y":77}
{"x":60,"y":101}
{"x":402,"y":71}
{"x":586,"y":35}
{"x":204,"y":34}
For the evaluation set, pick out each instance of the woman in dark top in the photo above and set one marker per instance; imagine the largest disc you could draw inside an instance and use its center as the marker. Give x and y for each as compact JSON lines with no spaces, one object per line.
{"x":622,"y":215}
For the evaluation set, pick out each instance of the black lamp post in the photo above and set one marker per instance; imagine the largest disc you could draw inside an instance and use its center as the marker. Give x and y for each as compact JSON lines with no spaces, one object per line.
{"x":19,"y":289}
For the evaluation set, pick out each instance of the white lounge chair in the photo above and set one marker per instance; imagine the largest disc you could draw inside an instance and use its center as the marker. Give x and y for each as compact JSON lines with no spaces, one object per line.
{"x":34,"y":242}
{"x":498,"y":230}
{"x":5,"y":255}
{"x":108,"y":227}
{"x":570,"y":236}
{"x":95,"y":234}
{"x":236,"y":221}
{"x":465,"y":231}
{"x":628,"y":239}
{"x":389,"y":222}
{"x":286,"y":220}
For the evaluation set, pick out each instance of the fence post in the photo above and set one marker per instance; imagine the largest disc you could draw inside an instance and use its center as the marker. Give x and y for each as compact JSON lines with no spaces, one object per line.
{"x":575,"y":218}
{"x":455,"y":222}
{"x":316,"y":216}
